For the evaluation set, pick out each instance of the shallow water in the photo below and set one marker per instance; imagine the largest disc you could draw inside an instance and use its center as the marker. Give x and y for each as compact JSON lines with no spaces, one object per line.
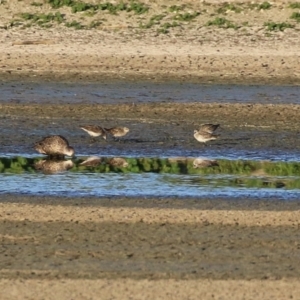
{"x":18,"y":176}
{"x":134,"y":185}
{"x":148,"y":177}
{"x":145,"y":92}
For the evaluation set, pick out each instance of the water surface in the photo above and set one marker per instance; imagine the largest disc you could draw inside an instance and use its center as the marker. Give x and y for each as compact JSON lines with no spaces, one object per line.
{"x":148,"y":177}
{"x":146,"y":92}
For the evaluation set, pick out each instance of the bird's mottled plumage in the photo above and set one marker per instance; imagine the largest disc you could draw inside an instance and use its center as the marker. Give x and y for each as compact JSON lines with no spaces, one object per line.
{"x":50,"y":166}
{"x":117,"y":131}
{"x":118,"y":162}
{"x":94,"y":130}
{"x":204,"y":163}
{"x":92,"y":161}
{"x":209,"y":128}
{"x":203,"y":137}
{"x":54,"y":145}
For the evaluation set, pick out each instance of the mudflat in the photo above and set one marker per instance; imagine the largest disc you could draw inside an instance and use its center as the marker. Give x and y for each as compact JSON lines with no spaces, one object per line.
{"x":120,"y":248}
{"x":144,"y":248}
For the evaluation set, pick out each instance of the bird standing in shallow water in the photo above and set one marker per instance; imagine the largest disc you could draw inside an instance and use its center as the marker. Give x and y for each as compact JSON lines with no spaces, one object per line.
{"x":210,"y":128}
{"x":54,"y":146}
{"x":117,"y":132}
{"x":205,"y":133}
{"x":203,"y":137}
{"x":94,"y":131}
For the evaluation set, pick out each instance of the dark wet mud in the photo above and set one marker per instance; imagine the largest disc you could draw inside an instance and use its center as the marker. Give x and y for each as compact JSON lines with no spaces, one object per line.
{"x":90,"y":248}
{"x":63,"y":249}
{"x":182,"y":251}
{"x":159,"y":129}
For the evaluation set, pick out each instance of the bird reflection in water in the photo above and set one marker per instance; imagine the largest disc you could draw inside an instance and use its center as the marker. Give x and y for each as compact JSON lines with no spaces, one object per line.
{"x":53,"y":166}
{"x":202,"y":162}
{"x":118,"y":162}
{"x":92,"y":161}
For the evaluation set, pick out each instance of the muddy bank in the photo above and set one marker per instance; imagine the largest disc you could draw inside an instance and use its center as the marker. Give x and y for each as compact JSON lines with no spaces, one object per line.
{"x":104,"y":239}
{"x":154,"y":128}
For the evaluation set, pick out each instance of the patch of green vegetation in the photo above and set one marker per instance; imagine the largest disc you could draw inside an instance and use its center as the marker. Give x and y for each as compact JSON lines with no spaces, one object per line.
{"x":75,"y":25}
{"x":36,"y":4}
{"x":294,"y":5}
{"x":176,"y":8}
{"x":41,"y":19}
{"x":272,"y":26}
{"x":60,"y":3}
{"x":296,"y":16}
{"x":264,"y":5}
{"x":80,"y":6}
{"x":228,"y":6}
{"x":165,"y":27}
{"x":222,"y":23}
{"x":154,"y":20}
{"x":112,"y":8}
{"x":137,"y":7}
{"x":265,"y":174}
{"x":186,"y":17}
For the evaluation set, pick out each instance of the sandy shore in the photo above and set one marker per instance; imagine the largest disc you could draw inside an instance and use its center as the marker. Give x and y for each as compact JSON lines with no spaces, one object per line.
{"x":120,"y":47}
{"x":145,"y":248}
{"x":93,"y":57}
{"x":60,"y":248}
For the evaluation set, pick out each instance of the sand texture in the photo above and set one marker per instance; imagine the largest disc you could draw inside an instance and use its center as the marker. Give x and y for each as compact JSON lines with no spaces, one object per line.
{"x":63,"y":248}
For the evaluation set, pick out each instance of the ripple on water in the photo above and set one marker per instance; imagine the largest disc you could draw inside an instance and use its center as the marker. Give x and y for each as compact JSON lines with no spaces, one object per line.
{"x":159,"y":184}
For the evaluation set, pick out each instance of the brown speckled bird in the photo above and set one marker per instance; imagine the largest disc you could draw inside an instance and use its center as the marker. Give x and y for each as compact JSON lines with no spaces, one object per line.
{"x":209,"y":128}
{"x":94,"y":130}
{"x":55,"y":146}
{"x":117,"y":132}
{"x":203,"y":137}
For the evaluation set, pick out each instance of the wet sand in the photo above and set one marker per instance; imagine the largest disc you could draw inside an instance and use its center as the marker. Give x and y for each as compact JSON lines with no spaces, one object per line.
{"x":61,"y":248}
{"x":145,"y":248}
{"x":153,"y":127}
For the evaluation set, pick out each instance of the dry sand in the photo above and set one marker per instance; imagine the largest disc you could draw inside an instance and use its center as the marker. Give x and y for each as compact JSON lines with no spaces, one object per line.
{"x":57,"y":248}
{"x":119,"y":48}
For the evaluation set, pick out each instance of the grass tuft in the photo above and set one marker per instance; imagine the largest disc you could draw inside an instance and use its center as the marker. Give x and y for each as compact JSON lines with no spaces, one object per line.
{"x":294,"y":5}
{"x":222,"y":23}
{"x":272,"y":26}
{"x":296,"y":16}
{"x":186,"y":17}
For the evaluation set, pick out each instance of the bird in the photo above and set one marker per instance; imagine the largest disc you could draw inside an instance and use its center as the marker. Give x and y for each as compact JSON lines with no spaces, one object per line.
{"x":94,"y":130}
{"x":203,"y":136}
{"x":118,"y":162}
{"x":210,"y":128}
{"x":204,"y":163}
{"x":52,"y":166}
{"x":117,"y":132}
{"x":92,"y":161}
{"x":54,"y":146}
